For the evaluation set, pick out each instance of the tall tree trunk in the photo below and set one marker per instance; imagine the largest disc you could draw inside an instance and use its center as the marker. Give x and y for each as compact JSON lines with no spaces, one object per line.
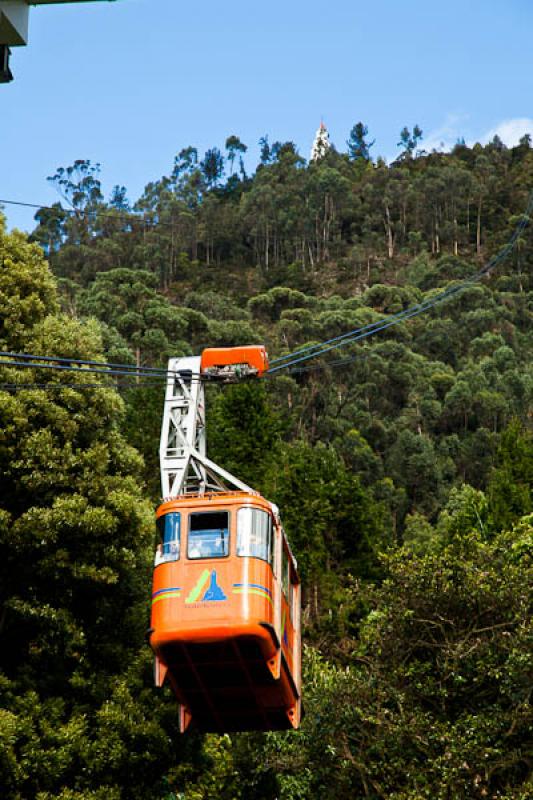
{"x":389,"y":230}
{"x":478,"y":228}
{"x":171,"y":268}
{"x":138,"y":363}
{"x":195,"y":245}
{"x":311,"y":256}
{"x":328,"y":216}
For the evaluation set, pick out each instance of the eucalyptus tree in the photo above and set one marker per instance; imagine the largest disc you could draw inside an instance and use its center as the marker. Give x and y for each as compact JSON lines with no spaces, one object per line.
{"x":358,"y":146}
{"x":409,"y":140}
{"x":234,"y":146}
{"x":79,"y":719}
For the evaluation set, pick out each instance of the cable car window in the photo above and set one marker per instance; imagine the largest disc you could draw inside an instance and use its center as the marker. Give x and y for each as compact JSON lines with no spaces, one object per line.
{"x":291,"y":599}
{"x":169,"y":527}
{"x":285,"y":573}
{"x":254,"y":534}
{"x":208,"y":534}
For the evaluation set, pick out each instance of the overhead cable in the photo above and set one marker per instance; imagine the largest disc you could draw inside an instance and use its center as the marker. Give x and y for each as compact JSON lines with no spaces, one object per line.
{"x":305,"y":353}
{"x":495,"y":260}
{"x":68,"y":360}
{"x":59,"y":386}
{"x":79,"y":370}
{"x":80,"y":366}
{"x":130,"y":218}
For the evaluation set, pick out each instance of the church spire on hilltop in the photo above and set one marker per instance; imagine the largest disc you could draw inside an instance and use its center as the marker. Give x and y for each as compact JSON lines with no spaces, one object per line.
{"x":321,"y":145}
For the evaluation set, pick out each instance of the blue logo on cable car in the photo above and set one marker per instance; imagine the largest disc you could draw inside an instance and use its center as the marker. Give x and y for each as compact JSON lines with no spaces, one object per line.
{"x":213,"y":591}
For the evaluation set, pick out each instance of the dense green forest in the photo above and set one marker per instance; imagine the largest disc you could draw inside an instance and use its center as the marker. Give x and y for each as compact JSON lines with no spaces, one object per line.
{"x":403,"y":468}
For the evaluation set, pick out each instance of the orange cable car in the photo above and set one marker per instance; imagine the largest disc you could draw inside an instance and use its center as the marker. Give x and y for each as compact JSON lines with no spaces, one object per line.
{"x":225,"y":624}
{"x":226,"y":613}
{"x":230,"y":361}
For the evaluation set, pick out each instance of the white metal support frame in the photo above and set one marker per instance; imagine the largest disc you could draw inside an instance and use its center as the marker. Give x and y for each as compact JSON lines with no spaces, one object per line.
{"x":14,"y":18}
{"x":185,"y":468}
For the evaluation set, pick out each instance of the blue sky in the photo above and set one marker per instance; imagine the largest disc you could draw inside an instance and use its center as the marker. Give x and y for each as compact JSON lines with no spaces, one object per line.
{"x":128,"y":84}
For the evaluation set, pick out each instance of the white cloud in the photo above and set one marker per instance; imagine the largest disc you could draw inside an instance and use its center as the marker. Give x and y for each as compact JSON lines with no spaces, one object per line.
{"x":445,"y":137}
{"x":510,"y":131}
{"x":455,"y":127}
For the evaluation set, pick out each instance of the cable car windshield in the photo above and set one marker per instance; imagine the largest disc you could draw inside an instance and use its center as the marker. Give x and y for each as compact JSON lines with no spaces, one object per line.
{"x":285,"y":582}
{"x":169,"y":527}
{"x":208,"y":534}
{"x":254,"y":534}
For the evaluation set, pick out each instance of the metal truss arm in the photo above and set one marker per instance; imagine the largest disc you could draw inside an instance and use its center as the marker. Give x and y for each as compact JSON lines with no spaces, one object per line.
{"x":185,"y":468}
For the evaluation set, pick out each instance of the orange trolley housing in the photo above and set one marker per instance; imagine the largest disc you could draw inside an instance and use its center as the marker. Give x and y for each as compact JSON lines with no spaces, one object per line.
{"x":246,"y":360}
{"x":225,"y":624}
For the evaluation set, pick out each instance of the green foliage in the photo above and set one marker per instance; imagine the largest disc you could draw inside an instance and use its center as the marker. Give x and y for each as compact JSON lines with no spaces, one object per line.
{"x":331,"y":520}
{"x":127,"y":300}
{"x":270,"y":305}
{"x":417,"y":445}
{"x":510,"y":489}
{"x":75,"y":550}
{"x":358,"y":146}
{"x":79,"y":184}
{"x":435,"y":700}
{"x":215,"y":306}
{"x":27,"y":289}
{"x":141,"y":427}
{"x":465,"y":511}
{"x":414,"y":465}
{"x":409,"y":140}
{"x":244,"y":432}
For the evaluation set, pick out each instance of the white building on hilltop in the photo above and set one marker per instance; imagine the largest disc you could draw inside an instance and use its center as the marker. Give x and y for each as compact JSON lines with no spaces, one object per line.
{"x":321,"y":145}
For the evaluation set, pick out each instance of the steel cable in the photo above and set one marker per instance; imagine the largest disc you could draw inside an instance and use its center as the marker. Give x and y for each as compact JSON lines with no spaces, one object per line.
{"x":369,"y":330}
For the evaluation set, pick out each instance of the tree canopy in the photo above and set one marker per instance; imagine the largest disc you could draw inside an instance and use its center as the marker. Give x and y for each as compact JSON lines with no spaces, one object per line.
{"x":402,"y":465}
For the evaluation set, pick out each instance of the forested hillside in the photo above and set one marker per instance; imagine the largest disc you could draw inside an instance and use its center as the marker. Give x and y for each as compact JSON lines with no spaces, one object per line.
{"x":402,"y":465}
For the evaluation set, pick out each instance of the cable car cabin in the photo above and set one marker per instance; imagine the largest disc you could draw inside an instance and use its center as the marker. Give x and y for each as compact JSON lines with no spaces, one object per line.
{"x":227,"y":363}
{"x":226,"y":613}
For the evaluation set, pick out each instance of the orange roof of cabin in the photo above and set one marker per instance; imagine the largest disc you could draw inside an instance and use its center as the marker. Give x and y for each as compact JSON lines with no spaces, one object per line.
{"x":195,"y":501}
{"x":255,"y":355}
